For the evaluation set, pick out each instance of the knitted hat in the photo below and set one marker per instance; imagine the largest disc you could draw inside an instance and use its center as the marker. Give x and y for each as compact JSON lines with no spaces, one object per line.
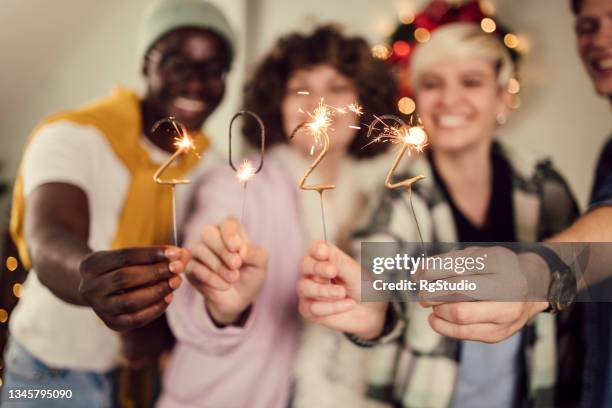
{"x":164,"y":16}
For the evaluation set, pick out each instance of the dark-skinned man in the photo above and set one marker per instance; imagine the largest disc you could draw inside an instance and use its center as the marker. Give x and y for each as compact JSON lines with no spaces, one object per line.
{"x":92,"y":225}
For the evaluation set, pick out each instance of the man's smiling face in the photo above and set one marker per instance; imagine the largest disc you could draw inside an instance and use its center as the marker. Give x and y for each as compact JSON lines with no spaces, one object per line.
{"x":185,"y":72}
{"x":594,"y":37}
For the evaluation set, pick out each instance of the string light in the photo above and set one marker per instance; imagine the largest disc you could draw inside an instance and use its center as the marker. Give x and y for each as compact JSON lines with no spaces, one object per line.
{"x":405,"y":14}
{"x":17,"y":289}
{"x":11,"y":263}
{"x":381,"y":51}
{"x":514,"y":86}
{"x":422,"y":35}
{"x":406,"y":105}
{"x":3,"y":316}
{"x":488,"y":25}
{"x":401,"y":48}
{"x":511,"y":40}
{"x":486,"y":7}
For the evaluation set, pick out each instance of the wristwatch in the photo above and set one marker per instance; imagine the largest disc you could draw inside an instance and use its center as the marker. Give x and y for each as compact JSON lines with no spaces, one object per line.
{"x":562,"y":288}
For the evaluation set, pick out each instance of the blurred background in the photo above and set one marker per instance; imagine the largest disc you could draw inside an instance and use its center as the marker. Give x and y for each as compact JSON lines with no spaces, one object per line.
{"x":60,"y":54}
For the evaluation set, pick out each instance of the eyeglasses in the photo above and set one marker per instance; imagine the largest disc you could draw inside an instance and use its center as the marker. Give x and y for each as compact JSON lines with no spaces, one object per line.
{"x":180,"y":68}
{"x":587,"y":26}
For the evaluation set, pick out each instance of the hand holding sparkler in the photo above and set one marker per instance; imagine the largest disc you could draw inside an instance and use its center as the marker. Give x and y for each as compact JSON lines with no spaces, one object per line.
{"x":246,"y":171}
{"x":131,"y":287}
{"x":228,"y":271}
{"x":183,"y":144}
{"x":329,"y":292}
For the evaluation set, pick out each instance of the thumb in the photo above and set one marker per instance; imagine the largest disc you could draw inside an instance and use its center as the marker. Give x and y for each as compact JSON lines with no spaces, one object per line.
{"x":348,"y":269}
{"x":256,"y":256}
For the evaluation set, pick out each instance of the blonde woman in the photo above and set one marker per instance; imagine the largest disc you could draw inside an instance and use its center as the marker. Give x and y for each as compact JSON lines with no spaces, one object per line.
{"x":475,"y":190}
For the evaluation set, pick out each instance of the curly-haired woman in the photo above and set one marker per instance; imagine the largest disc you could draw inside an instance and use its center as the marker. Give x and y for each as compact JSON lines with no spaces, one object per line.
{"x":237,"y":323}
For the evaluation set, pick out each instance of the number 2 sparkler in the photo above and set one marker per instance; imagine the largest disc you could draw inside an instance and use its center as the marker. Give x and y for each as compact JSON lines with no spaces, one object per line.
{"x":183,"y":144}
{"x":318,"y":128}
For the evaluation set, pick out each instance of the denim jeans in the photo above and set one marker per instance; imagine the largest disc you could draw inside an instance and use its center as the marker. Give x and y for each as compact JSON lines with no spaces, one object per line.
{"x":23,"y":371}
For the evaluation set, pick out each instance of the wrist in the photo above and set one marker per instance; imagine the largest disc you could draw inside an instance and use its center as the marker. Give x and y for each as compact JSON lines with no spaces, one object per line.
{"x":377,"y":323}
{"x":561,"y":278}
{"x":538,"y":307}
{"x":538,"y":276}
{"x":224,"y":318}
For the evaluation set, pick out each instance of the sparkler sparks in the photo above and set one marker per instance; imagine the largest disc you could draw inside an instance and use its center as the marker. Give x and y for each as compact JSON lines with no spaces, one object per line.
{"x":245,"y":172}
{"x":411,"y":136}
{"x":183,"y":144}
{"x":356,"y":109}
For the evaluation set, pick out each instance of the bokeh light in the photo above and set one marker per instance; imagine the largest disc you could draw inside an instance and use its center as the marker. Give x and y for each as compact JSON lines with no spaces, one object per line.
{"x":17,"y":290}
{"x":11,"y":263}
{"x":406,"y":105}
{"x":381,"y":51}
{"x":488,"y":25}
{"x":422,"y":35}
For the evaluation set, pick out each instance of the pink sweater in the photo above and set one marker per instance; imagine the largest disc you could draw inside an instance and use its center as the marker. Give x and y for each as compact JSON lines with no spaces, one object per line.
{"x":250,"y":366}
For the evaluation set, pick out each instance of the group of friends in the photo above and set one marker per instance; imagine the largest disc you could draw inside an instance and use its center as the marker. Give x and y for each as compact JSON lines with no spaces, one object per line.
{"x":255,"y":309}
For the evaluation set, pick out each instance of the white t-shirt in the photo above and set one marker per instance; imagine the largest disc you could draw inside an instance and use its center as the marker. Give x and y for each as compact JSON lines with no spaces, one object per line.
{"x":58,"y":333}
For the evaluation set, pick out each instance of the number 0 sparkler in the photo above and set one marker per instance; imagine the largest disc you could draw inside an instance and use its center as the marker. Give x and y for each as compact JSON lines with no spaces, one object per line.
{"x":246,"y":171}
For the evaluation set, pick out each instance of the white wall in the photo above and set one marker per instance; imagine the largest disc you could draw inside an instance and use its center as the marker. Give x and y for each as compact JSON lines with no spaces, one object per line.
{"x":56,"y":54}
{"x":63,"y":53}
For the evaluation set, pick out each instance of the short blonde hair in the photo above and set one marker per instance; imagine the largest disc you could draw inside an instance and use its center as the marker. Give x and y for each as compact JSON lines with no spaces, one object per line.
{"x":462,"y":40}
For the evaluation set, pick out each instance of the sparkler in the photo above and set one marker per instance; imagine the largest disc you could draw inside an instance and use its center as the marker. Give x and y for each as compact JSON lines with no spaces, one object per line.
{"x":412,"y":137}
{"x":318,"y":127}
{"x":246,"y":171}
{"x":183,"y":145}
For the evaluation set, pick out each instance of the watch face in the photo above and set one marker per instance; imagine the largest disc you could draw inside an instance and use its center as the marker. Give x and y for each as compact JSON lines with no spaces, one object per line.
{"x":563,"y":288}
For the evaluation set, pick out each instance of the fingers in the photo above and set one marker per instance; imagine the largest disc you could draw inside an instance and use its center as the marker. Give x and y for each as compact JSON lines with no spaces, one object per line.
{"x":202,"y":277}
{"x":138,"y":319}
{"x":139,"y":299}
{"x":104,"y":261}
{"x":134,"y":276}
{"x":211,"y":237}
{"x":325,"y":254}
{"x":207,"y":258}
{"x":463,"y":313}
{"x":232,"y":234}
{"x":256,"y":256}
{"x":319,"y":250}
{"x":485,"y":332}
{"x":313,"y":268}
{"x":184,"y":256}
{"x":309,"y":289}
{"x":320,"y":309}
